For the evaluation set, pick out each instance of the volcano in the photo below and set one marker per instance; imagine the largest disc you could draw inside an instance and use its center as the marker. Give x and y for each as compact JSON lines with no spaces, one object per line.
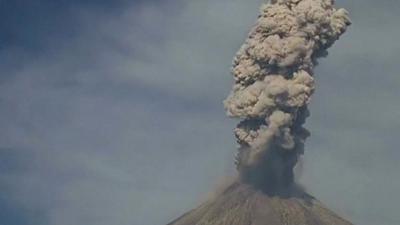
{"x":273,"y":83}
{"x":243,"y":204}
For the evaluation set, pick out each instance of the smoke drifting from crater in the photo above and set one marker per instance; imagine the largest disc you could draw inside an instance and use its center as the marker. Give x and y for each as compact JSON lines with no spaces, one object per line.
{"x":273,"y":73}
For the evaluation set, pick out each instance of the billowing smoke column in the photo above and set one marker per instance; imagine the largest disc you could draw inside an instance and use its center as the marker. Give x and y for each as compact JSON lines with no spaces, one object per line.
{"x":273,"y":74}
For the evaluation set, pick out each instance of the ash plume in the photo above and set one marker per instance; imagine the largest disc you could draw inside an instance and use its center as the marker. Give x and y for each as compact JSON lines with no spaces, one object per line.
{"x":273,"y":74}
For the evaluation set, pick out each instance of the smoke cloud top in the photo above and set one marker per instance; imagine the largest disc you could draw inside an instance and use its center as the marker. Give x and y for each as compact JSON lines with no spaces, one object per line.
{"x":273,"y":74}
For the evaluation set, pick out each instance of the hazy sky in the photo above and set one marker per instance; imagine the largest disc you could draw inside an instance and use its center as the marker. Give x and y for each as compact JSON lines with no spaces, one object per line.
{"x":111,"y":111}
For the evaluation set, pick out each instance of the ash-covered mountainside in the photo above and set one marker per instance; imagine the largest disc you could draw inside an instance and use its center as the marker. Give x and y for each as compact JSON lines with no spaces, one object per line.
{"x":242,"y":204}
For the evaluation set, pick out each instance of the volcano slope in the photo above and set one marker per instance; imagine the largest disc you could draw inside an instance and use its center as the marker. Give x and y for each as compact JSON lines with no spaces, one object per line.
{"x":242,"y":204}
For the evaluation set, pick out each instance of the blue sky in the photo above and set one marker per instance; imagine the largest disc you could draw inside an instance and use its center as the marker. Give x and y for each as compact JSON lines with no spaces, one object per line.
{"x":111,"y":111}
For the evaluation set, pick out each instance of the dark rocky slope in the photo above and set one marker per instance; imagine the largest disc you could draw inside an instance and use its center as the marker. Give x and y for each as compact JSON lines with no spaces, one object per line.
{"x":241,"y":204}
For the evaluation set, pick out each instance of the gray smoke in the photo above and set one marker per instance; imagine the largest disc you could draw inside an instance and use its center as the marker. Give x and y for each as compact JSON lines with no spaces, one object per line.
{"x":273,"y":73}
